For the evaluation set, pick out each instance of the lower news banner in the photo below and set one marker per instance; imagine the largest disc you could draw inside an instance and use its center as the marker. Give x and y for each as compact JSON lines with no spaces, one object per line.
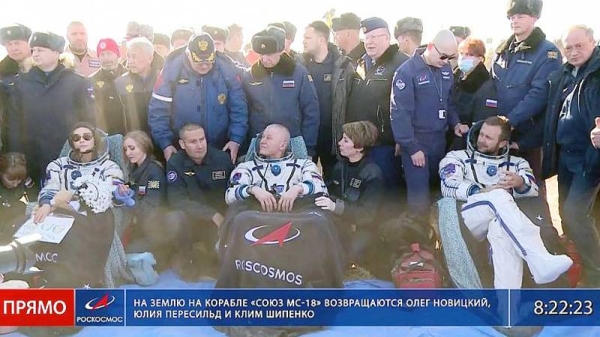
{"x":314,"y":307}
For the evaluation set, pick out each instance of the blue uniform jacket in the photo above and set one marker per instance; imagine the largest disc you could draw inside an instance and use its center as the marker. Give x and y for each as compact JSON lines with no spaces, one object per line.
{"x":44,"y":109}
{"x":283,"y":95}
{"x":520,"y":75}
{"x":584,"y":107}
{"x":215,"y":101}
{"x":149,"y":183}
{"x":415,"y":103}
{"x":199,"y":190}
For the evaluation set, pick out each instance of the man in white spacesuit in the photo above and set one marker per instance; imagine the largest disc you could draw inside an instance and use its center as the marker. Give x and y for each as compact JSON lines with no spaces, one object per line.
{"x":273,"y":176}
{"x":489,"y":179}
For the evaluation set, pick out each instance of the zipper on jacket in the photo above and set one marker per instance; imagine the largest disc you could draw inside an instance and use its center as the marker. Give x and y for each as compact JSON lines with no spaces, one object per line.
{"x":380,"y":118}
{"x":203,"y":107}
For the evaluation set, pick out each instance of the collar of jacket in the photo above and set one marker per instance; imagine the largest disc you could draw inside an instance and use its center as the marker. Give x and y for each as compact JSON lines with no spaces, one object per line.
{"x":474,"y":80}
{"x":387,"y":56}
{"x":357,"y":52}
{"x":137,"y":171}
{"x":188,"y":163}
{"x":531,"y":42}
{"x":8,"y":66}
{"x":88,"y":52}
{"x":38,"y":75}
{"x":591,"y":66}
{"x":337,"y":57}
{"x":102,"y":73}
{"x":285,"y":66}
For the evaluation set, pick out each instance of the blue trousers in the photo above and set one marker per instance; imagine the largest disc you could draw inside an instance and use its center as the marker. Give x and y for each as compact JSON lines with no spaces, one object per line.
{"x":576,"y":194}
{"x":419,"y":179}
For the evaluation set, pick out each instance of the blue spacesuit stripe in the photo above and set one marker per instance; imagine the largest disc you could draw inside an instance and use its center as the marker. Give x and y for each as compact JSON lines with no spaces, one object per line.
{"x":502,"y":223}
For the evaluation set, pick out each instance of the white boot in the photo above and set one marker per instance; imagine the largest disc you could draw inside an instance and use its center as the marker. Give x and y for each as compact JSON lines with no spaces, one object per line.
{"x":526,"y":240}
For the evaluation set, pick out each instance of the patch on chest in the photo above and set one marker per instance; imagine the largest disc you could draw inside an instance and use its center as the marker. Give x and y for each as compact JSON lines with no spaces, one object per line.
{"x":218,"y":175}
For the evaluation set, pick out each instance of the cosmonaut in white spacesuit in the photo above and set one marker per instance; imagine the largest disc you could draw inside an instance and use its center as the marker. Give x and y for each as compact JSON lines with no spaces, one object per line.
{"x":274,"y":177}
{"x":489,"y":179}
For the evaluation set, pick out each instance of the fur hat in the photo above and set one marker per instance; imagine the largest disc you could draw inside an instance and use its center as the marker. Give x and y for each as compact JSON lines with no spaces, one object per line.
{"x":408,"y":24}
{"x":528,"y":7}
{"x":345,"y":21}
{"x":162,"y":40}
{"x":217,"y":33}
{"x":48,"y":40}
{"x":14,"y":32}
{"x":269,"y":41}
{"x":460,"y":31}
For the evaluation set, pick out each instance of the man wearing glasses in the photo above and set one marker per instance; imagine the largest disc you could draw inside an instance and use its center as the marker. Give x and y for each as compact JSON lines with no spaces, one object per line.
{"x":520,"y":71}
{"x":199,"y":86}
{"x":568,"y":152}
{"x":421,"y":112}
{"x":369,"y":100}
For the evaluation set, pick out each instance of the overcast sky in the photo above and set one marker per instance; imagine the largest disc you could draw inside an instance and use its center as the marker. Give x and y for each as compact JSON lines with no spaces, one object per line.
{"x":108,"y":18}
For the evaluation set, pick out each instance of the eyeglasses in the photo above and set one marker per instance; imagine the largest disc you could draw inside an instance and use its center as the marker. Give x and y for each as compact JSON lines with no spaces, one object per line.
{"x":86,"y":136}
{"x":443,"y":56}
{"x":374,"y":37}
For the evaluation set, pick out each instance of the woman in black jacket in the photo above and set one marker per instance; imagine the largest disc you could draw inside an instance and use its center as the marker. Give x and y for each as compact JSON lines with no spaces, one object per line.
{"x":473,"y":91}
{"x":356,"y":190}
{"x":147,"y":187}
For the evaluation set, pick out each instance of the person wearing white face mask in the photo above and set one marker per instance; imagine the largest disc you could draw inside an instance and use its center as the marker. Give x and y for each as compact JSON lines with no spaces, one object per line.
{"x":473,"y":90}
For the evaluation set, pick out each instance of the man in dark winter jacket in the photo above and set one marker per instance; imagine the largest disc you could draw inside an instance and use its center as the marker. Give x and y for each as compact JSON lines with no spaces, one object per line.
{"x":572,"y":112}
{"x":109,"y":111}
{"x":520,"y":71}
{"x":370,"y":95}
{"x":47,"y":102}
{"x":15,"y":39}
{"x":346,"y":34}
{"x":135,"y":87}
{"x":198,"y":85}
{"x":332,"y":75}
{"x":280,"y":91}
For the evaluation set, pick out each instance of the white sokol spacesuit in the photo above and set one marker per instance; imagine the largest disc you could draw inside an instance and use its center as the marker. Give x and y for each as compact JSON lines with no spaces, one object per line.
{"x":512,"y":236}
{"x":275,"y":176}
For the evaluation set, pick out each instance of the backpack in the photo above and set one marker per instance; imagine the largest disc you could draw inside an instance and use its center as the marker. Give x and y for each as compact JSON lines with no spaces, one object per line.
{"x":417,"y":269}
{"x":415,"y":261}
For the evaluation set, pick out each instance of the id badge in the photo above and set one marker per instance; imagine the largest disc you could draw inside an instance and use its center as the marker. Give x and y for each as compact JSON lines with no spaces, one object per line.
{"x":442,"y":114}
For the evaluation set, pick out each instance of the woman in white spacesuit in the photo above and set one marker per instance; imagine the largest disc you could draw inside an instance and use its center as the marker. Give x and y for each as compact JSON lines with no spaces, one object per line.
{"x":80,"y":186}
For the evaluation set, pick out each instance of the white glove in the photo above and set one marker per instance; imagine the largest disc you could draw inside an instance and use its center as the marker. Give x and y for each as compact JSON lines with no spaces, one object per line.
{"x":325,"y":203}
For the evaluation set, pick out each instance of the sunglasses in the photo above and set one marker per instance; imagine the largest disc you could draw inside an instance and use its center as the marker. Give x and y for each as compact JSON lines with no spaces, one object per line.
{"x":86,"y":136}
{"x":443,"y":56}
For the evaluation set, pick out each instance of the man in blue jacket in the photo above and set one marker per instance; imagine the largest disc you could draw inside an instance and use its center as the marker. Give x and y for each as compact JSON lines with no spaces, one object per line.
{"x":572,"y":112}
{"x":280,"y":91}
{"x":520,"y":71}
{"x":198,"y":86}
{"x":421,"y":113}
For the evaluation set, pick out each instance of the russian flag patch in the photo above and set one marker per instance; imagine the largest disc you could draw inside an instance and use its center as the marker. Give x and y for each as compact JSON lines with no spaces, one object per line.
{"x":491,"y":103}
